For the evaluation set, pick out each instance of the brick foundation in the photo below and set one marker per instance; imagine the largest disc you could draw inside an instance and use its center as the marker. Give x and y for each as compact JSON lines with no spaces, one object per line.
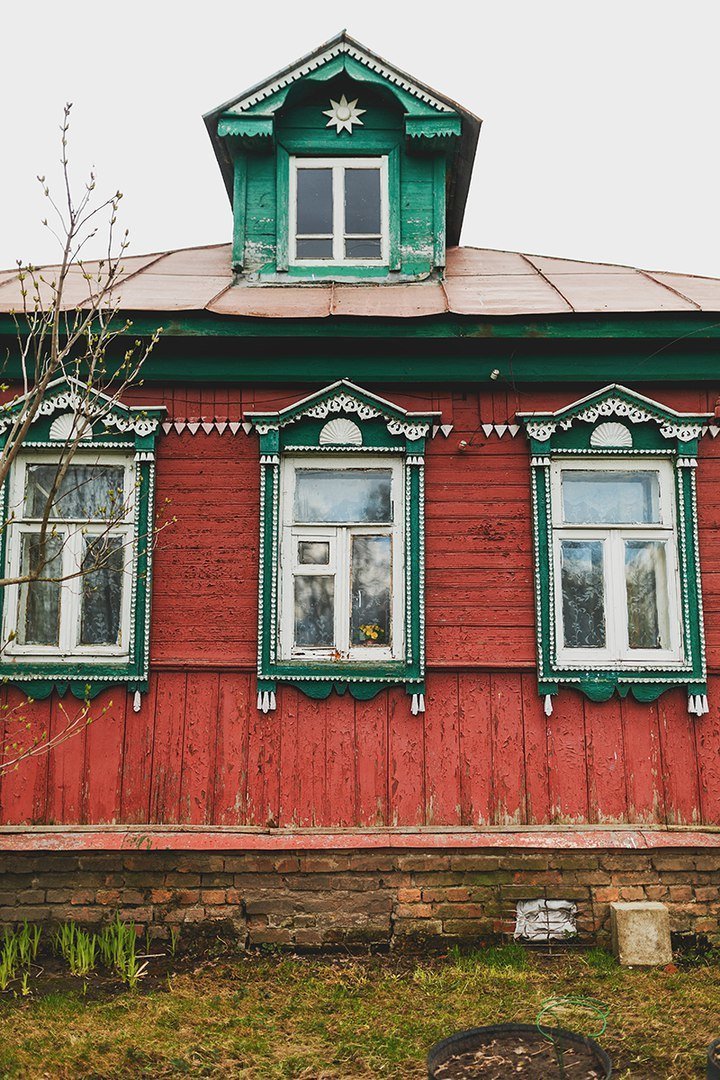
{"x":380,"y":898}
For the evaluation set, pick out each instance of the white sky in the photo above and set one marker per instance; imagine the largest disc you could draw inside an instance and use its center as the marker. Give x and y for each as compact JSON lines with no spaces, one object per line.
{"x":600,"y":135}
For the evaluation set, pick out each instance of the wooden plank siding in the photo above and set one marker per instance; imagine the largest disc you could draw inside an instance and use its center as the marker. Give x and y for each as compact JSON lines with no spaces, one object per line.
{"x":484,"y":753}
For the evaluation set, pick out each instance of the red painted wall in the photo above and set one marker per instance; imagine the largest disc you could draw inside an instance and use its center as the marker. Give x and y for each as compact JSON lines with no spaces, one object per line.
{"x":484,"y":753}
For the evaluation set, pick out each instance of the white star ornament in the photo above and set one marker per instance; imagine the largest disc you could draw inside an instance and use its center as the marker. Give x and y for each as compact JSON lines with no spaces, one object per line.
{"x":343,"y":114}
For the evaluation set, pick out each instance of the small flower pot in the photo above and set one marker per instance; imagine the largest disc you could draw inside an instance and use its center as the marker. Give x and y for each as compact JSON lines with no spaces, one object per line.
{"x":517,"y":1050}
{"x":713,"y":1062}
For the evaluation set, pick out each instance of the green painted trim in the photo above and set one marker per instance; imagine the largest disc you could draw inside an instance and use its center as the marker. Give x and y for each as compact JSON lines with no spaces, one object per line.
{"x":439,"y":209}
{"x":282,"y":208}
{"x":239,"y":210}
{"x":385,"y":427}
{"x":431,"y":127}
{"x":394,"y":259}
{"x":38,"y":678}
{"x":246,"y":126}
{"x":673,"y":338}
{"x":277,"y":358}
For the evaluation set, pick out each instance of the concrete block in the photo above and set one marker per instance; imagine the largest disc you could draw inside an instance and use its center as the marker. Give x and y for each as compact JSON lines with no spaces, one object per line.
{"x":641,"y":933}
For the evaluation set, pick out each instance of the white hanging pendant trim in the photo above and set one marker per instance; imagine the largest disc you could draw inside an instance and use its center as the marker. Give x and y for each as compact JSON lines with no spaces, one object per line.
{"x":266,"y":701}
{"x":418,"y":704}
{"x":137,"y":701}
{"x":548,"y":706}
{"x":698,"y":704}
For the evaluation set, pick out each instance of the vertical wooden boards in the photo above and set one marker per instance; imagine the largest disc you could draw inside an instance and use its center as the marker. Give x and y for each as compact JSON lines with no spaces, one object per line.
{"x":442,"y":751}
{"x":643,"y":762}
{"x":567,"y":759}
{"x":679,"y":759}
{"x":707,"y":738}
{"x":475,"y":749}
{"x":102,"y":781}
{"x":606,"y":762}
{"x":264,"y":761}
{"x":23,"y":788}
{"x":371,"y":758}
{"x":535,"y":725}
{"x":199,"y":748}
{"x":234,"y":705}
{"x":167,"y":763}
{"x":312,"y":733}
{"x":137,"y":757}
{"x":66,"y":763}
{"x":406,"y":762}
{"x":509,"y":753}
{"x":341,"y":807}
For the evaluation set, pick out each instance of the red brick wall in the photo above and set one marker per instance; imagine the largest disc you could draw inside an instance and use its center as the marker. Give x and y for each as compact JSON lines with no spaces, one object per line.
{"x":376,"y":898}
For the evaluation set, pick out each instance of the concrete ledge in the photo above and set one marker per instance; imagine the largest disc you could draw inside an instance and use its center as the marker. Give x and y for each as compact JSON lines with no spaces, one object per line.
{"x":18,"y":838}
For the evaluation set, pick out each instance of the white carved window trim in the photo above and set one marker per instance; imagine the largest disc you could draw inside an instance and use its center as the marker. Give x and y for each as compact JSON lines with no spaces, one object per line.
{"x":338,"y":166}
{"x":339,"y":537}
{"x":68,"y":649}
{"x":617,"y":651}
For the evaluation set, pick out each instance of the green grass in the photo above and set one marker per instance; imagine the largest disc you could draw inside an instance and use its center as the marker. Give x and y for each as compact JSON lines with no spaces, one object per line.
{"x":274,"y":1017}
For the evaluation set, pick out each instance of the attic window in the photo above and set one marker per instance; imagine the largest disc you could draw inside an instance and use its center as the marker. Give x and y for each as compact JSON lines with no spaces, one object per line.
{"x":338,"y":211}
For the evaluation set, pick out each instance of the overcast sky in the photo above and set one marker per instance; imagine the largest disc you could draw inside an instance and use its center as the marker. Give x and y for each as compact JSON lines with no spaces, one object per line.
{"x":600,"y":135}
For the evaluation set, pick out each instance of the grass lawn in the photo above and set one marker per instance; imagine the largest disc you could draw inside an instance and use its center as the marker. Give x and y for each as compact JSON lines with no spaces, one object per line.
{"x":267,"y":1017}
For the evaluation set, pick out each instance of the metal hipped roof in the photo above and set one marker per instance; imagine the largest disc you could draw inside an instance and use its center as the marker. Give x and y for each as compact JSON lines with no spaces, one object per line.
{"x":478,"y":282}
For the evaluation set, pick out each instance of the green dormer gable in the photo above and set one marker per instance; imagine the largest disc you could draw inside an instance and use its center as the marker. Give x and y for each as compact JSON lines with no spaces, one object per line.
{"x":342,"y":167}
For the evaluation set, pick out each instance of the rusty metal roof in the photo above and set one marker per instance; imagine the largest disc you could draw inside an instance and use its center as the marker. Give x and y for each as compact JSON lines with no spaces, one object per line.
{"x":479,"y":281}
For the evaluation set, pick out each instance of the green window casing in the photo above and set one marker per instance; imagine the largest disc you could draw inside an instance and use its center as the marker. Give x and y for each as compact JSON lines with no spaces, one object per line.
{"x":123,"y":433}
{"x":375,"y":431}
{"x":617,"y":425}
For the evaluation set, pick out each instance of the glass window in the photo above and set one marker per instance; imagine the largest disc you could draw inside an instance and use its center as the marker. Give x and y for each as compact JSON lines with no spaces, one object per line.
{"x":39,"y":600}
{"x":102,"y":583}
{"x":342,"y":538}
{"x":583,"y":594}
{"x":343,"y":495}
{"x":647,"y":594}
{"x":337,"y":211}
{"x":616,"y":570}
{"x":609,"y":497}
{"x":85,"y":491}
{"x":370,"y":587}
{"x":77,"y":599}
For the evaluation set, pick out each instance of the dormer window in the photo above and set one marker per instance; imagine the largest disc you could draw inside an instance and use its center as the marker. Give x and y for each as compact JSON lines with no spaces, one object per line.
{"x":339,"y":211}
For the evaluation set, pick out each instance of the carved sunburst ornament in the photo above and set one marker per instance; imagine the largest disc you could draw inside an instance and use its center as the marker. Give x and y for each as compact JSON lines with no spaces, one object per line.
{"x":343,"y":114}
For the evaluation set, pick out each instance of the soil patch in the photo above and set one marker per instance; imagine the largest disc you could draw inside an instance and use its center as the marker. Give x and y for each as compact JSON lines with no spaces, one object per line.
{"x":530,"y":1057}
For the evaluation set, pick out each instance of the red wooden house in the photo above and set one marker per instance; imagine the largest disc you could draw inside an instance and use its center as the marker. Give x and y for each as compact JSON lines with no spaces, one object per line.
{"x":436,"y":628}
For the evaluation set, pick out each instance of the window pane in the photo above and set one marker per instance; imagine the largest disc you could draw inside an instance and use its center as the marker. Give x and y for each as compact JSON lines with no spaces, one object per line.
{"x":314,"y":552}
{"x":363,"y":249}
{"x":371,"y":590}
{"x":102,"y":586}
{"x":315,"y":610}
{"x":87,"y":492}
{"x":343,"y":495}
{"x":362,"y":201}
{"x":582,"y":594}
{"x":39,"y":601}
{"x":314,"y":201}
{"x":647,"y":601}
{"x":614,"y":498}
{"x":314,"y":249}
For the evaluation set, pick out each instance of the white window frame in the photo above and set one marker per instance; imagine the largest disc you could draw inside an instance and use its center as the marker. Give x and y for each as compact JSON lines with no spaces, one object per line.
{"x":340,"y":538}
{"x":19,"y":524}
{"x":617,"y":651}
{"x":338,"y":166}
